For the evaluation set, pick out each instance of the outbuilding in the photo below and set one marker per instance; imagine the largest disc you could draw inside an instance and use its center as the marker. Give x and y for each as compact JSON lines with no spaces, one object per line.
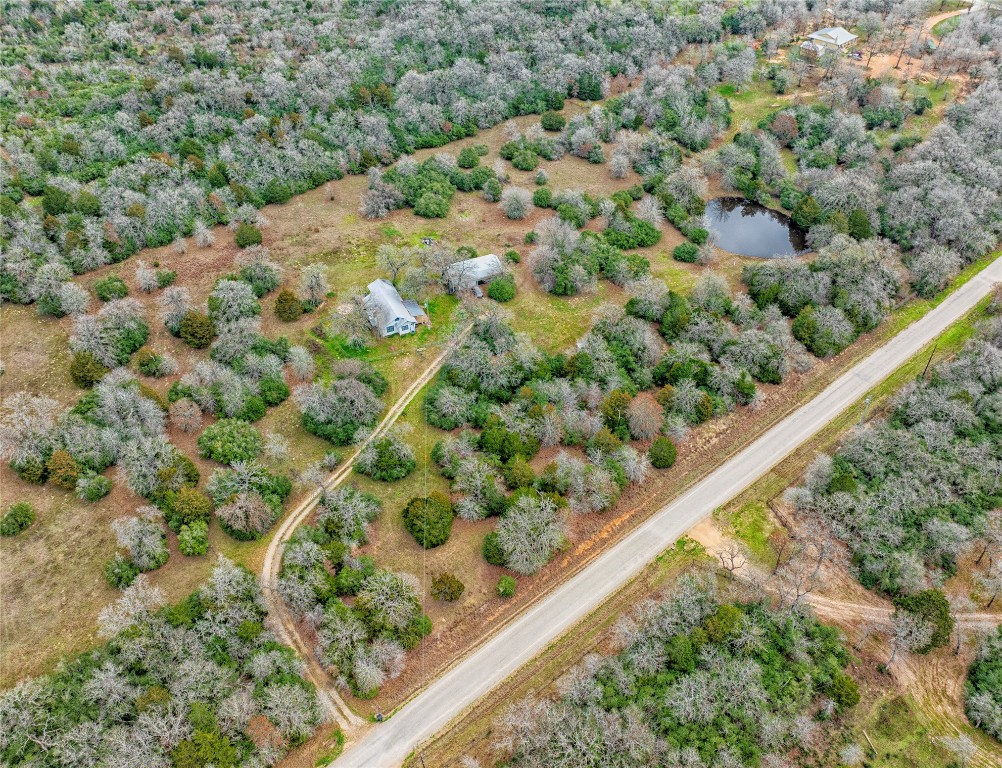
{"x":469,"y":273}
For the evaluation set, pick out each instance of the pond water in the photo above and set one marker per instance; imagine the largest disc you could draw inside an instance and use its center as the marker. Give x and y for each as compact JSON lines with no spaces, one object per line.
{"x":749,"y":229}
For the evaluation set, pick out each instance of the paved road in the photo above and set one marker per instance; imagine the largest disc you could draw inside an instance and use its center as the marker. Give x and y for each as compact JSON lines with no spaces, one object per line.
{"x":386,"y":745}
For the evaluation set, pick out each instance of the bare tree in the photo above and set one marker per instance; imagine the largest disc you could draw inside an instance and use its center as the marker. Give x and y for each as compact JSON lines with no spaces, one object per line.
{"x":393,"y":260}
{"x":313,"y":283}
{"x":962,"y":747}
{"x":732,"y":558}
{"x":908,"y":632}
{"x":990,"y":582}
{"x":350,"y":319}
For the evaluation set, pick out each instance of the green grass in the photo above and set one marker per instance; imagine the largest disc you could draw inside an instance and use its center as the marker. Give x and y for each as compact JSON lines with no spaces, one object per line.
{"x":750,"y":524}
{"x":898,"y":736}
{"x":334,"y":752}
{"x":556,"y":322}
{"x":752,"y":103}
{"x":946,"y":26}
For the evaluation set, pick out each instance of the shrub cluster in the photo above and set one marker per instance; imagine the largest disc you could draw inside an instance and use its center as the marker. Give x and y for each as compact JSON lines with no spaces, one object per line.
{"x":685,"y":685}
{"x":231,"y":683}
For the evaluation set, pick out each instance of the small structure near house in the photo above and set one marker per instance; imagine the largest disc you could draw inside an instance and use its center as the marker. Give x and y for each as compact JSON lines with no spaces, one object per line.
{"x":831,"y":39}
{"x":388,"y":313}
{"x":469,"y":273}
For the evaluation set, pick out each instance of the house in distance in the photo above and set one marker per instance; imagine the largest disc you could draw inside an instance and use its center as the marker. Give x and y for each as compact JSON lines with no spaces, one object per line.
{"x":391,"y":315}
{"x":827,"y":40}
{"x":469,"y":274}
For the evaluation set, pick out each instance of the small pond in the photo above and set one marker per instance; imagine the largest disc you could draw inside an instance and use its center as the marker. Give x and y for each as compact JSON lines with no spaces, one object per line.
{"x":749,"y":229}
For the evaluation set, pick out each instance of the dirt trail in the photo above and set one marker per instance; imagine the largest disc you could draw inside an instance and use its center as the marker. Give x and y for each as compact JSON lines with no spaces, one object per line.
{"x":904,"y":66}
{"x":935,"y":680}
{"x":281,"y":619}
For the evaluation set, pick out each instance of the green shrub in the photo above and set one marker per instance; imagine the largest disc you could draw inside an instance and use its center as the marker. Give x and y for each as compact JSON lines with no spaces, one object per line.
{"x":166,"y":277}
{"x":447,"y":588}
{"x":88,"y":203}
{"x":662,"y":453}
{"x":111,"y":287}
{"x":148,"y":362}
{"x":859,"y":225}
{"x":120,"y":572}
{"x":552,"y":121}
{"x":429,"y":520}
{"x":492,"y":190}
{"x":542,"y":197}
{"x":525,"y":160}
{"x":507,"y":586}
{"x":86,"y":370}
{"x":386,"y":459}
{"x":512,"y":256}
{"x":844,"y":691}
{"x":274,"y":390}
{"x":230,"y":440}
{"x":698,"y":235}
{"x":186,"y":506}
{"x":687,"y":252}
{"x":502,"y":289}
{"x":806,"y":213}
{"x":491,"y":549}
{"x":193,"y":538}
{"x":247,"y":235}
{"x":55,"y":201}
{"x":920,"y":104}
{"x":93,"y":487}
{"x":287,"y":306}
{"x":518,"y":473}
{"x":17,"y":518}
{"x":468,"y":158}
{"x":432,"y":205}
{"x":276,"y":191}
{"x":197,"y":330}
{"x":31,"y":470}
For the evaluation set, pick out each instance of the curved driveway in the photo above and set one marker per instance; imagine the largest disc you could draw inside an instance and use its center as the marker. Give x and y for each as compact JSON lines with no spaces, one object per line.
{"x":388,"y":744}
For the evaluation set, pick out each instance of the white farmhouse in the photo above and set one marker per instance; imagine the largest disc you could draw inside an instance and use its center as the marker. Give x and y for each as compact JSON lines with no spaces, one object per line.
{"x":828,"y":40}
{"x":470,"y":273}
{"x":388,"y":313}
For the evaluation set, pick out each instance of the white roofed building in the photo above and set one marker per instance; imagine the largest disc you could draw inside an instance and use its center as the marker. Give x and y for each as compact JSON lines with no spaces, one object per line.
{"x":387,"y":312}
{"x":469,"y":273}
{"x":832,"y":38}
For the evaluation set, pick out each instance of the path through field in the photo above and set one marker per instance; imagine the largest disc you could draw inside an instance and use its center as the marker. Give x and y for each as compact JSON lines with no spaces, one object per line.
{"x":284,"y":624}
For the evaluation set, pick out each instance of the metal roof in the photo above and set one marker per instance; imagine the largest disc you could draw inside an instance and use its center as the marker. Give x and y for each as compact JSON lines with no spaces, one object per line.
{"x":385,"y":303}
{"x":474,"y":270}
{"x":833,"y":36}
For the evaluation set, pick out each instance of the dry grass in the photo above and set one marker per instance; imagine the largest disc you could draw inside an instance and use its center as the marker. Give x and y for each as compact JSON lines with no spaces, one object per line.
{"x":58,"y":561}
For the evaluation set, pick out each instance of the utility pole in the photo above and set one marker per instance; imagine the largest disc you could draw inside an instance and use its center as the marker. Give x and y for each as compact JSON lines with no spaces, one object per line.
{"x":929,"y":361}
{"x":866,"y":407}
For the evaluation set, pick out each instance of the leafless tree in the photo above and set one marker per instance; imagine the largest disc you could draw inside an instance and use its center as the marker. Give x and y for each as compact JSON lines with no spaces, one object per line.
{"x":961,"y":747}
{"x":732,"y":558}
{"x":908,"y":632}
{"x":393,"y":260}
